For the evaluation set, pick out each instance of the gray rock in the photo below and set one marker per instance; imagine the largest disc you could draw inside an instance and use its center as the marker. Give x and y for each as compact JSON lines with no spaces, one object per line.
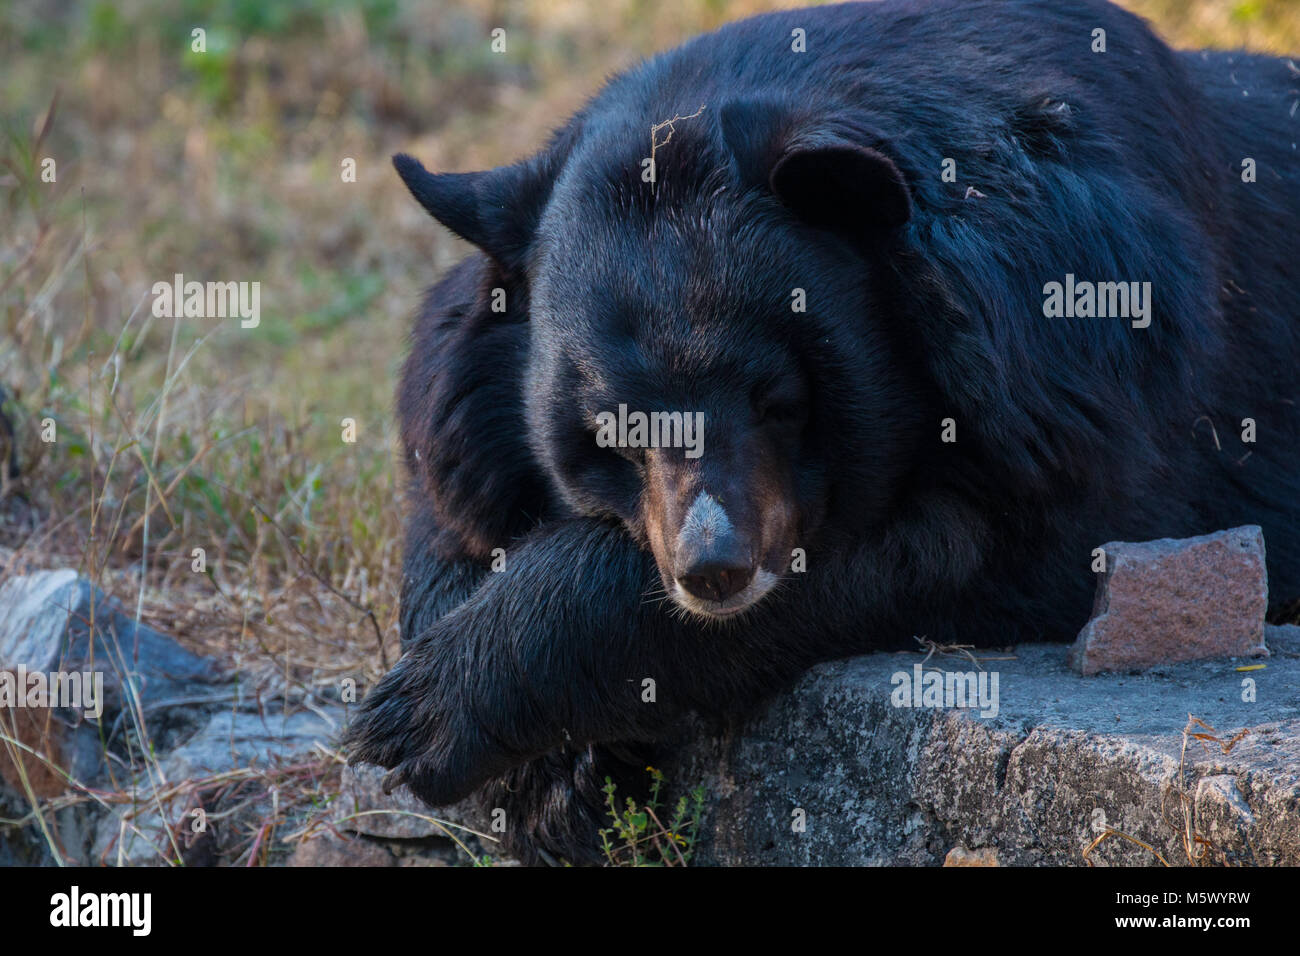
{"x":1173,"y":600}
{"x":138,"y":834}
{"x":330,"y":849}
{"x":34,"y":613}
{"x":1064,"y":758}
{"x":45,"y":626}
{"x":236,"y":739}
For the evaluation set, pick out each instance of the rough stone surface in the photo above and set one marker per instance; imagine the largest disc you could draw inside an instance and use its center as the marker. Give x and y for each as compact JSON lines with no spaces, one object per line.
{"x":960,"y":856}
{"x":1173,"y":600}
{"x":1064,"y":758}
{"x":197,"y":728}
{"x":331,"y":849}
{"x":45,"y":626}
{"x":137,"y":834}
{"x":238,"y":739}
{"x":34,"y":612}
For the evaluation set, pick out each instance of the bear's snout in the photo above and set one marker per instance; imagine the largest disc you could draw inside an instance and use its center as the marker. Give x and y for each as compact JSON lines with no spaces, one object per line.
{"x":718,"y":529}
{"x":713,"y":562}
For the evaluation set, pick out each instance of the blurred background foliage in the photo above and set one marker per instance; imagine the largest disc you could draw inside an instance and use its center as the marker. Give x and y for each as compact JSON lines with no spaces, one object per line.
{"x":225,"y":165}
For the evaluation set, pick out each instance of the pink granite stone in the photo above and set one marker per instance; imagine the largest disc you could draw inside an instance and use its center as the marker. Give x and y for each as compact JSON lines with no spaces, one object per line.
{"x":1164,"y":601}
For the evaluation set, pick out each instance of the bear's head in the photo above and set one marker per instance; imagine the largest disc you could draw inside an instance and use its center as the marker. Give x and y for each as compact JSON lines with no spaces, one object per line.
{"x":712,"y":358}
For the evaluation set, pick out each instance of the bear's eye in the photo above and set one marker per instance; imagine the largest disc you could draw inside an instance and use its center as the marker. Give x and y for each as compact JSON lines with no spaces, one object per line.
{"x":594,"y":436}
{"x":780,"y":401}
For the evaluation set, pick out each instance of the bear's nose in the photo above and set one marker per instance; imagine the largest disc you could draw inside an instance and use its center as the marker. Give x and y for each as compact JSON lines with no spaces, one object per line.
{"x":715,"y":581}
{"x":713,"y":561}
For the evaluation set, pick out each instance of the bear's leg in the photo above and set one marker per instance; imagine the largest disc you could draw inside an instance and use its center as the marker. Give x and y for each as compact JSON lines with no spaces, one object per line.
{"x":554,"y":804}
{"x":435,"y":578}
{"x":566,"y":646}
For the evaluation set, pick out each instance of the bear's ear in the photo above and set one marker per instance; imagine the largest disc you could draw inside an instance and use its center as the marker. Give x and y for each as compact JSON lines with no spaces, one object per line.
{"x":497,"y":210}
{"x":827,"y":172}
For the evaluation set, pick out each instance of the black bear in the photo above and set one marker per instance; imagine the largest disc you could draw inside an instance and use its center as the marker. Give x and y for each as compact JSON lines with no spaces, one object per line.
{"x":831,"y":328}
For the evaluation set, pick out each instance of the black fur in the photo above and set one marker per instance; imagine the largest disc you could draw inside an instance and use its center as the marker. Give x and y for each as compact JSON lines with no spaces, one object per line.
{"x":821,"y":171}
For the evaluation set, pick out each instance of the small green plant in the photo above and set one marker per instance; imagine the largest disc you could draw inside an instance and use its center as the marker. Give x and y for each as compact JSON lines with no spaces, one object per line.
{"x":641,"y":837}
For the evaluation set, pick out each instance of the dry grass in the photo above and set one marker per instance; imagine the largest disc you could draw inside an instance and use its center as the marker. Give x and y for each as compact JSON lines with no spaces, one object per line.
{"x":1198,"y":850}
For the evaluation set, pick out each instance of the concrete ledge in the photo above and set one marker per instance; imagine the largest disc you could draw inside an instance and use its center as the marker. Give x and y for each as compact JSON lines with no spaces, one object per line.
{"x":1065,"y":758}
